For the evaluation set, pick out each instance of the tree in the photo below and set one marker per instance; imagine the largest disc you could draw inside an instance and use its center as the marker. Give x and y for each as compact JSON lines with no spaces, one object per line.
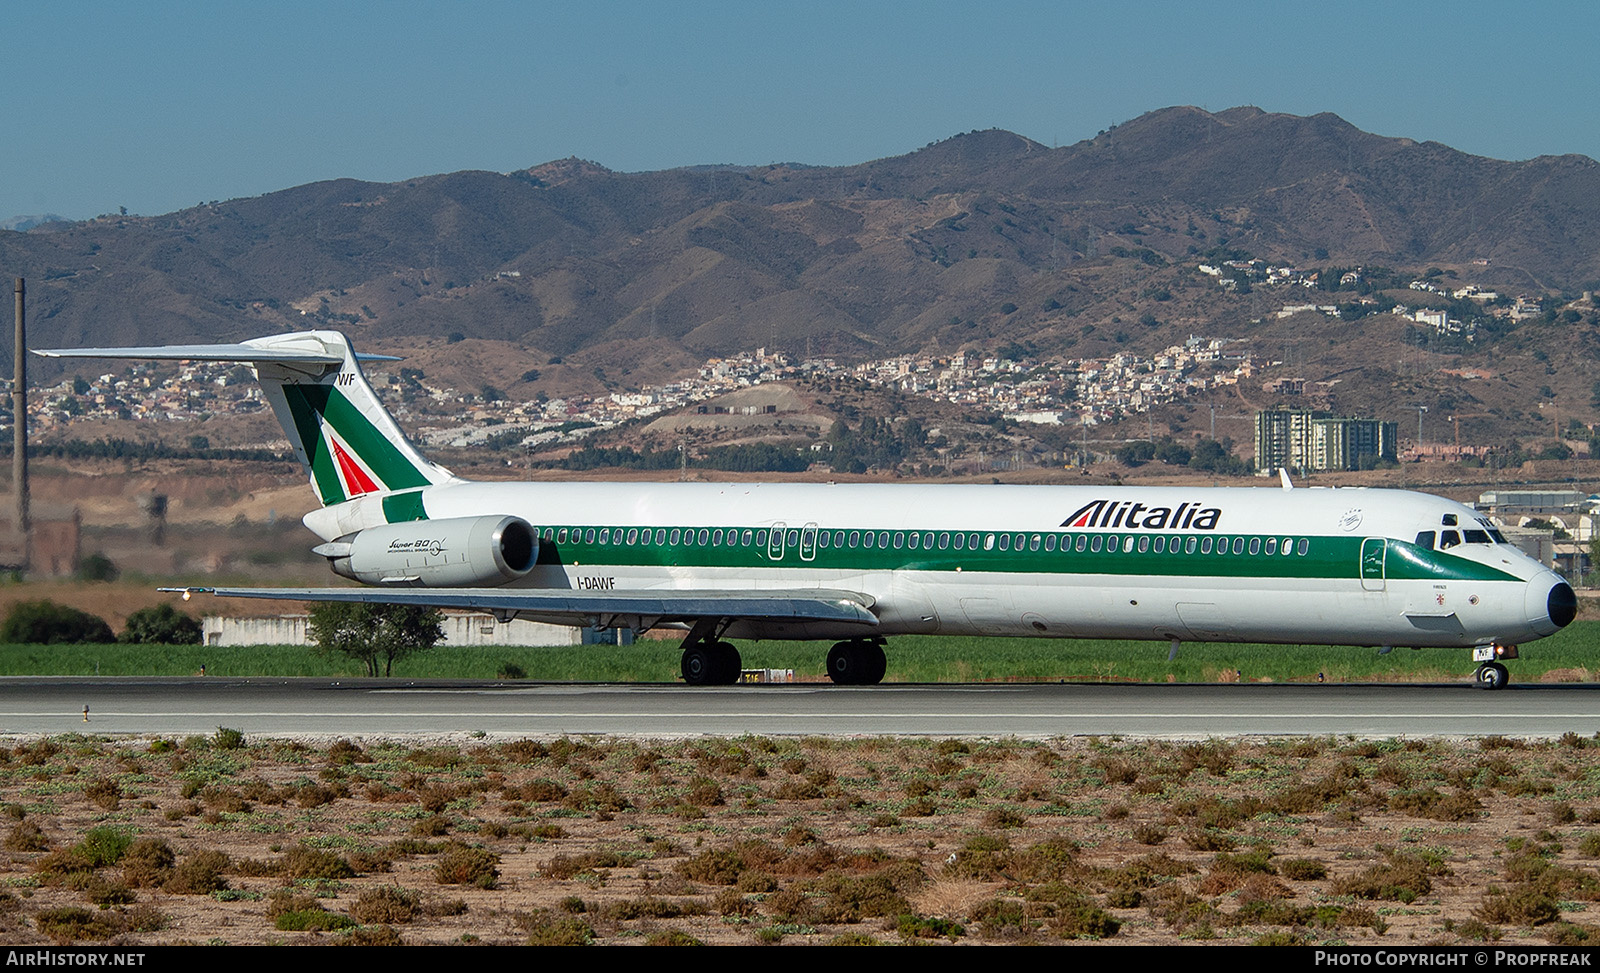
{"x":160,"y":625}
{"x":47,"y":623}
{"x":373,"y":632}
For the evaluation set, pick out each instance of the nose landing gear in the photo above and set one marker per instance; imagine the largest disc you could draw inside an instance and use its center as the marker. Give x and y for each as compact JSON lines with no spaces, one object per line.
{"x":1491,"y":674}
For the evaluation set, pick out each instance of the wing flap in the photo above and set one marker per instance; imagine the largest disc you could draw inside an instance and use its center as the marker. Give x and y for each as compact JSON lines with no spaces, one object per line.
{"x":668,"y":605}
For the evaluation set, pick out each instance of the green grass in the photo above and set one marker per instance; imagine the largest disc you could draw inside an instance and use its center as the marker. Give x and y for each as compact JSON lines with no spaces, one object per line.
{"x":911,"y":659}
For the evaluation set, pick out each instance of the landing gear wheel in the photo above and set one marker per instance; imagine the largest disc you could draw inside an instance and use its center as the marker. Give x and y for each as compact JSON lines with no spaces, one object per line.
{"x":856,"y":663}
{"x":728,"y":665}
{"x":699,"y":665}
{"x":1492,"y":675}
{"x":711,"y":664}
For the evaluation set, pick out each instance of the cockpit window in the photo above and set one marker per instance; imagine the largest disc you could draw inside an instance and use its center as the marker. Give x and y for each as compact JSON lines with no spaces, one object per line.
{"x":1477,"y":536}
{"x":1425,"y":540}
{"x":1448,"y":539}
{"x":1448,"y":520}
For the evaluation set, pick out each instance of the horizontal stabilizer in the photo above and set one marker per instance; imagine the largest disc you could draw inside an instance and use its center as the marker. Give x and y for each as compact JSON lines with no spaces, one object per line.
{"x":244,"y":352}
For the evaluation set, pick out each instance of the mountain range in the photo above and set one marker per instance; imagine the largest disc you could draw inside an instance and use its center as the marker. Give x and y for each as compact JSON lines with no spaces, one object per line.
{"x":976,"y":240}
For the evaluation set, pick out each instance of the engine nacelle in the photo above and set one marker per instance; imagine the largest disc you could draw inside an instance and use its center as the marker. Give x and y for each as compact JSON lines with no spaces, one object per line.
{"x":463,"y":552}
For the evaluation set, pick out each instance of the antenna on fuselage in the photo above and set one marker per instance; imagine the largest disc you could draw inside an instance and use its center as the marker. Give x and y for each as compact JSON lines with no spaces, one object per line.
{"x":1283,"y":477}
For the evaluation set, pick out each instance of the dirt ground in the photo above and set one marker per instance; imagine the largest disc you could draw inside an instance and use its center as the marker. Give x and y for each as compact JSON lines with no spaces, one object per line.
{"x":810,"y":841}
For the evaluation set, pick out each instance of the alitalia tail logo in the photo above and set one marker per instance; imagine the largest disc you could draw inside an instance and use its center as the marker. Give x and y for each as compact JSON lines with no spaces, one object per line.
{"x":1125,"y":513}
{"x":356,"y":479}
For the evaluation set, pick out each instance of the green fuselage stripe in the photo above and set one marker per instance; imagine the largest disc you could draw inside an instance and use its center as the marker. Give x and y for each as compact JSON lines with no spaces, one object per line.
{"x":1325,"y":557}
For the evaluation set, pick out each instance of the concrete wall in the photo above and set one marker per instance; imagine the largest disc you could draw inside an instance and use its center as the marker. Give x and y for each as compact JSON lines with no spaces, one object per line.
{"x":467,"y":629}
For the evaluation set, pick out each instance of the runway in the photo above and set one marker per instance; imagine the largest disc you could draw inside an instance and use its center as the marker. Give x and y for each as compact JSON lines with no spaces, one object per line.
{"x":328,"y":708}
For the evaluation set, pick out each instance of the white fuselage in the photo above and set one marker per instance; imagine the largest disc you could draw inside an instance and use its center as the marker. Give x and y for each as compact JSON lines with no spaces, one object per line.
{"x":1268,"y":565}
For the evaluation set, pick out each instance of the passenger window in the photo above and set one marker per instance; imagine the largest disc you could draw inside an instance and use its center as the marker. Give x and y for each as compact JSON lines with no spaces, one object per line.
{"x":1303,"y":547}
{"x":1189,"y":545}
{"x":1033,"y":544}
{"x":1161,"y":544}
{"x":961,"y":542}
{"x":883,"y":538}
{"x":1094,"y":544}
{"x":1049,"y":543}
{"x":1238,"y":545}
{"x":868,"y":539}
{"x":1255,"y":546}
{"x":633,"y":535}
{"x":913,"y":540}
{"x":1127,"y":545}
{"x":1005,"y":542}
{"x":676,"y":533}
{"x":988,"y":543}
{"x":1079,"y":544}
{"x":944,"y":540}
{"x":1272,"y":546}
{"x":1205,"y":545}
{"x":1144,"y":544}
{"x":855,"y":539}
{"x":747,"y":536}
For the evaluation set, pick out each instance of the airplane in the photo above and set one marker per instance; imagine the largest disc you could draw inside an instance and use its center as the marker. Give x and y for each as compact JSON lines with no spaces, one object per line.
{"x":862,"y":562}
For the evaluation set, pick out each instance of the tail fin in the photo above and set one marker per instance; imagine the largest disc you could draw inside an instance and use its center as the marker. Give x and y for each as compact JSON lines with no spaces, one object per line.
{"x":346,"y":441}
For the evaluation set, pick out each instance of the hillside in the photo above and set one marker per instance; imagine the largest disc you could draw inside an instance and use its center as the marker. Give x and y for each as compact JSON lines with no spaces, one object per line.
{"x":972,"y":242}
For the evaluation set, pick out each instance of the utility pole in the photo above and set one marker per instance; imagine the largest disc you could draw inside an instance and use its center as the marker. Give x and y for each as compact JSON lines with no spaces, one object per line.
{"x":19,"y":425}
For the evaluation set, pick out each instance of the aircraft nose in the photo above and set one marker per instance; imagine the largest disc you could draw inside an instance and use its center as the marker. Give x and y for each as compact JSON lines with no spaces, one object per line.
{"x":1551,"y":604}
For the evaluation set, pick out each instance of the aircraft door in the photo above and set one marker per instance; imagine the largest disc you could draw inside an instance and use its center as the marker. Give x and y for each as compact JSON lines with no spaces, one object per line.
{"x":1373,"y":553}
{"x":775,"y":541}
{"x":808,"y":542}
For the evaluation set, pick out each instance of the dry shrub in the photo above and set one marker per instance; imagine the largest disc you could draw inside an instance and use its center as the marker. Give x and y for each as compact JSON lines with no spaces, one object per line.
{"x":201,"y":873}
{"x":304,"y":862}
{"x":1521,"y":905}
{"x":344,"y":753}
{"x":26,"y":836}
{"x":713,"y":867}
{"x":104,"y":794}
{"x":547,"y":928}
{"x":1430,"y":803}
{"x":73,"y":923}
{"x":1146,"y":833}
{"x":148,"y":863}
{"x":385,"y":904}
{"x":465,"y":865}
{"x":1402,"y":877}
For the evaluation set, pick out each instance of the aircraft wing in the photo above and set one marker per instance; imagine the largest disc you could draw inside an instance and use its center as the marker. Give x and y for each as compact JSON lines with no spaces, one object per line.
{"x":563,"y":606}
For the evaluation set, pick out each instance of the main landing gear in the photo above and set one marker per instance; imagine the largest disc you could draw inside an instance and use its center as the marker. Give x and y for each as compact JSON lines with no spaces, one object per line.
{"x":859,"y":662}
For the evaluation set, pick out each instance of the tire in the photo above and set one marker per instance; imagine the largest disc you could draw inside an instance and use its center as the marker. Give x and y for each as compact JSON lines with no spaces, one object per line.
{"x":1492,"y":676}
{"x":844,"y":664}
{"x":856,"y":663}
{"x":699,"y":666}
{"x":728,"y":664}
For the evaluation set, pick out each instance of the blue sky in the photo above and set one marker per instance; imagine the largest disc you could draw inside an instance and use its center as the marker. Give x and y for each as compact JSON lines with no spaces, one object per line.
{"x":156,"y":106}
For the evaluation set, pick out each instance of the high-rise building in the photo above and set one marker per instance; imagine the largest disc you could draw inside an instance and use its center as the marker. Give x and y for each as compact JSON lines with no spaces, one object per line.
{"x":1312,"y":441}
